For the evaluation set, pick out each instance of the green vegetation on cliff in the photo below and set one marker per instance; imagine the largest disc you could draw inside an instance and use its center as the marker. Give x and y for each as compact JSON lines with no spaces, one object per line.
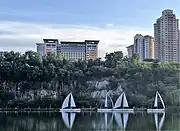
{"x":24,"y":77}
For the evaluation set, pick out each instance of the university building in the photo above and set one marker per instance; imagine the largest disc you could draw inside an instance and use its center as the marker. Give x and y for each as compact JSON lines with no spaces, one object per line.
{"x":69,"y":50}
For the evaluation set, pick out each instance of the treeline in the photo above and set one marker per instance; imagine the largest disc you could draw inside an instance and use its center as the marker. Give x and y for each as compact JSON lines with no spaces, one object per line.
{"x":22,"y":73}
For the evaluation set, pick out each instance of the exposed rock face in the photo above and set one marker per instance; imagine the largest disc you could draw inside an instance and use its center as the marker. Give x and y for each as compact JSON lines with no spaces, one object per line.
{"x":102,"y":85}
{"x":119,"y":90}
{"x":47,"y":93}
{"x":101,"y":89}
{"x":30,"y":96}
{"x":96,"y":88}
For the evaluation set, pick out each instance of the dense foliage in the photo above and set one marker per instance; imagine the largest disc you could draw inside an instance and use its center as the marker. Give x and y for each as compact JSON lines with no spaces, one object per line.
{"x":22,"y":73}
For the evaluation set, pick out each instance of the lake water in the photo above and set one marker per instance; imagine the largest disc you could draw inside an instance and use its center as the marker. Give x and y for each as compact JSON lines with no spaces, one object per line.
{"x":89,"y":121}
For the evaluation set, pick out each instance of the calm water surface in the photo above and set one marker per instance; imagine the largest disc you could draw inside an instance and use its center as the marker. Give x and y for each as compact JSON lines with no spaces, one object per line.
{"x":89,"y":121}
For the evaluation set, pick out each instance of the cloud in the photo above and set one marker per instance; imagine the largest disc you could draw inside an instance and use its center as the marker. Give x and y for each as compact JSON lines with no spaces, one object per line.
{"x":21,"y":36}
{"x":110,"y":25}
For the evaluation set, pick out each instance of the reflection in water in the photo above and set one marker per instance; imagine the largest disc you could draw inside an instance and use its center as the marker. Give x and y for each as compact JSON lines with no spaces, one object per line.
{"x":68,"y":119}
{"x":107,"y":125}
{"x":121,"y":121}
{"x":88,"y":121}
{"x":158,"y":123}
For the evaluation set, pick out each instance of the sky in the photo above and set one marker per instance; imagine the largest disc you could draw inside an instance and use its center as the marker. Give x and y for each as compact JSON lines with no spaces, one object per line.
{"x":23,"y":23}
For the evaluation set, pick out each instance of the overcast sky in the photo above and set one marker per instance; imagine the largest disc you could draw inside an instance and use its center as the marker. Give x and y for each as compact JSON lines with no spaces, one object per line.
{"x":113,"y":22}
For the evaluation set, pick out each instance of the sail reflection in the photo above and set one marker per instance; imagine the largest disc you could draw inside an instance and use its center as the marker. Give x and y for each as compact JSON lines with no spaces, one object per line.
{"x":96,"y":121}
{"x":107,"y":125}
{"x":158,"y":123}
{"x":68,"y":119}
{"x":121,"y":119}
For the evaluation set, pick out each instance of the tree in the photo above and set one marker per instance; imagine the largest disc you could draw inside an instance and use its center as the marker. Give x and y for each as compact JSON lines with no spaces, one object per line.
{"x":27,"y":74}
{"x":112,"y":59}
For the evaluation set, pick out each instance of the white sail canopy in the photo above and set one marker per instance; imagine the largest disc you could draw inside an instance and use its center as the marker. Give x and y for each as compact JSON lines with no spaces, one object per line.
{"x":125,"y":103}
{"x":106,"y":101}
{"x":72,"y":102}
{"x":156,"y":100}
{"x":111,"y":102}
{"x":122,"y":98}
{"x":118,"y":101}
{"x":68,"y":99}
{"x":66,"y":102}
{"x":161,"y":100}
{"x":106,"y":104}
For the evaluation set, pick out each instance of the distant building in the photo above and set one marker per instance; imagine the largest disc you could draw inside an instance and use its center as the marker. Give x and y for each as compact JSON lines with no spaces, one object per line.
{"x":48,"y":47}
{"x":166,"y":34}
{"x":143,"y":47}
{"x":41,"y":49}
{"x":179,"y":47}
{"x":51,"y":46}
{"x":139,"y":46}
{"x":2,"y":53}
{"x":68,"y":49}
{"x":130,"y":50}
{"x":148,"y":47}
{"x":91,"y":49}
{"x":73,"y":50}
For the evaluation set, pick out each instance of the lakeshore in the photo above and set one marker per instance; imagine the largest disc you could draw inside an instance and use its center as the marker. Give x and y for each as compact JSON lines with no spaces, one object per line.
{"x":36,"y":82}
{"x":82,"y":109}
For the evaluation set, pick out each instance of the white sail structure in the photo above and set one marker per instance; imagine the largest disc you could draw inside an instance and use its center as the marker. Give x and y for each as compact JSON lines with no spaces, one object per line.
{"x":156,"y":101}
{"x":122,"y":104}
{"x":106,"y":102}
{"x":106,"y":109}
{"x":161,"y":100}
{"x":66,"y":101}
{"x":68,"y":121}
{"x":156,"y":104}
{"x":119,"y":101}
{"x":157,"y":123}
{"x":111,"y":101}
{"x":69,"y":103}
{"x":72,"y":102}
{"x":125,"y":103}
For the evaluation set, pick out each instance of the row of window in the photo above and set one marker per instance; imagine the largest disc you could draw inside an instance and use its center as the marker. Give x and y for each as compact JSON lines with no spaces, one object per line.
{"x":74,"y":58}
{"x":50,"y":45}
{"x":91,"y":45}
{"x":72,"y":45}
